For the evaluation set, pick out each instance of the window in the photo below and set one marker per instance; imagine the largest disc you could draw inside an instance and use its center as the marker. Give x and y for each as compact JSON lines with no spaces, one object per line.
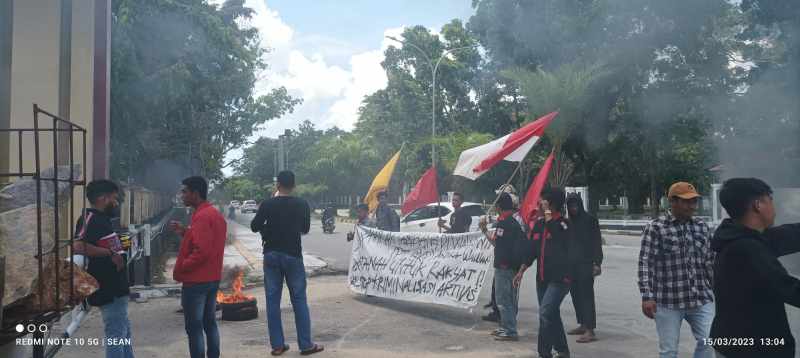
{"x":428,"y":212}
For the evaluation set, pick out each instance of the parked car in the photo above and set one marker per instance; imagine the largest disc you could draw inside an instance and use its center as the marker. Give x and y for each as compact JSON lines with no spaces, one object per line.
{"x":425,"y":218}
{"x":235,"y":203}
{"x":249,"y":206}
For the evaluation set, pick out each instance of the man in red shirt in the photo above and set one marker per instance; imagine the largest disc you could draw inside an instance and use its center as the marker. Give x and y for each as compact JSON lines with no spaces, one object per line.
{"x":199,"y":267}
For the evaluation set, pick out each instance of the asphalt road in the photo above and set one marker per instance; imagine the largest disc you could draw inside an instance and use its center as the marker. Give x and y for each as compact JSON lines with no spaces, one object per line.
{"x":620,"y":320}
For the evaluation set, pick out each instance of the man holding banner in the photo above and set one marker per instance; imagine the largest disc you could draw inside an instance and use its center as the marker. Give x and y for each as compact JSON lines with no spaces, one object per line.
{"x":386,"y":218}
{"x":508,"y":237}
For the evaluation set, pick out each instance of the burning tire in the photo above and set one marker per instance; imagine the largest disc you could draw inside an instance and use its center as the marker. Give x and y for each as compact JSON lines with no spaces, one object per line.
{"x":237,"y":306}
{"x":239,"y":311}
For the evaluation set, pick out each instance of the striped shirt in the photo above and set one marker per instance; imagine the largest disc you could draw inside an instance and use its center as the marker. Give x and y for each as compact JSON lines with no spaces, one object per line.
{"x":676,"y":263}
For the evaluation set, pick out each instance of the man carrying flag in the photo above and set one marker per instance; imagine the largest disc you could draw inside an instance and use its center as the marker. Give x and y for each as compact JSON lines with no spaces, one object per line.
{"x":552,"y":238}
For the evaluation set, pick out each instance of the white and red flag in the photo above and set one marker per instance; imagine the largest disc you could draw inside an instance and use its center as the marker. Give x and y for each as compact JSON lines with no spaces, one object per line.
{"x":513,"y":147}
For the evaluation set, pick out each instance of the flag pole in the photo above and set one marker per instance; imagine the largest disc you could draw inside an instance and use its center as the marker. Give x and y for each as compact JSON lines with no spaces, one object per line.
{"x":492,"y":208}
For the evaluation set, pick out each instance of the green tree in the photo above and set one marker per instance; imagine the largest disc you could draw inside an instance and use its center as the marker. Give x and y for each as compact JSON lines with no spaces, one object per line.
{"x":182,"y":78}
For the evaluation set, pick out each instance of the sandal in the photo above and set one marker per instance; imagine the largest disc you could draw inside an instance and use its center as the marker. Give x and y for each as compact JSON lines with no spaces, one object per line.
{"x":586,"y":338}
{"x":577,"y":331}
{"x":316,"y":349}
{"x":279,"y":351}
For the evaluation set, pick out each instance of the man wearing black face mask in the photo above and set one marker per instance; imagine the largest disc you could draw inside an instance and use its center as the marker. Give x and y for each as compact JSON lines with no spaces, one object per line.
{"x":97,"y":240}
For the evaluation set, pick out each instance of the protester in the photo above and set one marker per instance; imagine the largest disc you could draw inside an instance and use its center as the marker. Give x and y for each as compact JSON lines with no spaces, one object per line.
{"x":553,"y":247}
{"x":460,"y":220}
{"x":386,"y":218}
{"x":750,"y":284}
{"x":281,"y":220}
{"x":494,"y":316}
{"x":676,"y":271}
{"x":588,"y":257}
{"x":362,"y":217}
{"x":508,"y":237}
{"x":199,"y":268}
{"x":97,"y":240}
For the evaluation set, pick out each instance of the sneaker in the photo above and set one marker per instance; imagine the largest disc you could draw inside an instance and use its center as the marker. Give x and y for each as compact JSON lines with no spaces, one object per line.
{"x":561,"y":355}
{"x":497,"y":332}
{"x":505,"y":337}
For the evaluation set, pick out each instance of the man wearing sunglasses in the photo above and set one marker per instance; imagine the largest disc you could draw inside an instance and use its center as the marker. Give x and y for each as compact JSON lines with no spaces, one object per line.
{"x":676,"y":273}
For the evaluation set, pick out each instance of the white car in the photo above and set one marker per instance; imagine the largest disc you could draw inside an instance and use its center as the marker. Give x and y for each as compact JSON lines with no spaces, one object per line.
{"x":249,"y":206}
{"x":425,"y":218}
{"x":235,"y":203}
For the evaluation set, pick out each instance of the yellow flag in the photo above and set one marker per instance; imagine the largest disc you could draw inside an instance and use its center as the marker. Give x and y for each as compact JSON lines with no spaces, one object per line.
{"x":381,"y":182}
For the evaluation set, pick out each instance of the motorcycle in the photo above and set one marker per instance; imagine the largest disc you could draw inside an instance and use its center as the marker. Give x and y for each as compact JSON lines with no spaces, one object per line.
{"x":328,"y":225}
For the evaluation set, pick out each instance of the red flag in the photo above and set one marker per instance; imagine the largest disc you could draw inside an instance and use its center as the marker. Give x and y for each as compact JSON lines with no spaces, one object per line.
{"x":425,"y":192}
{"x":530,"y":205}
{"x":517,"y":144}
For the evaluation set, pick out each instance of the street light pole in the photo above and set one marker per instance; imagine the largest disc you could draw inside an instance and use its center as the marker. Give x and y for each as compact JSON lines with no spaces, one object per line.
{"x":434,"y":69}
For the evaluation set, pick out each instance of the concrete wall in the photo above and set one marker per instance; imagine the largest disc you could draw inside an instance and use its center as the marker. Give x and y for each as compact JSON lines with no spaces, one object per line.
{"x":38,"y":66}
{"x":47,"y":57}
{"x":6,"y":26}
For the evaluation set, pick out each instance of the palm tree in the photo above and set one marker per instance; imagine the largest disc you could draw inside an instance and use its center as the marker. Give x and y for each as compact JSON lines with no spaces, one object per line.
{"x":566,"y":89}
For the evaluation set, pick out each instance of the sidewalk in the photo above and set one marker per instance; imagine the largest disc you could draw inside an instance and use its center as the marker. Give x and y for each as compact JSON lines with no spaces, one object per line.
{"x":243,"y":250}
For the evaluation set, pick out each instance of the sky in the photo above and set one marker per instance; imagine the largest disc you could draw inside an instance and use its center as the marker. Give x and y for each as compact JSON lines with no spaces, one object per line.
{"x":328,"y":53}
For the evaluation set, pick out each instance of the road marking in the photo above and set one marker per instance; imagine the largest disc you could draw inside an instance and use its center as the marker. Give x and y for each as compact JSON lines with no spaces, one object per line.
{"x":352,"y":330}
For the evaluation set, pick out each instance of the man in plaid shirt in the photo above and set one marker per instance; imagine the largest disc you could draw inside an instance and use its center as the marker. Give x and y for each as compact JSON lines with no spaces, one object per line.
{"x":676,"y":273}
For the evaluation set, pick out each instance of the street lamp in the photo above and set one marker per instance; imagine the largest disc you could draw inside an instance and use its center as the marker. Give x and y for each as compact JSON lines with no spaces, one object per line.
{"x":434,"y":69}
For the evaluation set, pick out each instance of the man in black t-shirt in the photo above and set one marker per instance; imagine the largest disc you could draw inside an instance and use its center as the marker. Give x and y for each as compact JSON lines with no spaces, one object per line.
{"x":281,"y":220}
{"x":508,"y":239}
{"x":97,"y":240}
{"x":460,"y":221}
{"x":386,"y":218}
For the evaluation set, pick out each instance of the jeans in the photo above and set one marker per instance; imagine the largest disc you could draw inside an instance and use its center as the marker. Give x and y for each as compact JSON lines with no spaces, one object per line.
{"x":507,"y":299}
{"x":277,"y":267}
{"x":582,"y":292}
{"x":199,"y":304}
{"x":551,"y":327}
{"x":117,"y":328}
{"x":668,"y":325}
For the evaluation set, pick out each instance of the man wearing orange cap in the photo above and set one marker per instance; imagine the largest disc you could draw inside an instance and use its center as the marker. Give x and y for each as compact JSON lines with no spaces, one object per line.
{"x":676,"y":273}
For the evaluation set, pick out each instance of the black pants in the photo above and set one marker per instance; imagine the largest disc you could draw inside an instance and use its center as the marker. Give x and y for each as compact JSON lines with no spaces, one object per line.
{"x":582,"y":292}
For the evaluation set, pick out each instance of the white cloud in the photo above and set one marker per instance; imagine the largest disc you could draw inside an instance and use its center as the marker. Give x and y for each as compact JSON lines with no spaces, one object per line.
{"x":330,"y":75}
{"x":312,"y":77}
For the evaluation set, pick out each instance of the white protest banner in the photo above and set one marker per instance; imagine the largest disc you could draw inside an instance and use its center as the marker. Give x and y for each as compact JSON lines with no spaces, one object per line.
{"x":447,"y":269}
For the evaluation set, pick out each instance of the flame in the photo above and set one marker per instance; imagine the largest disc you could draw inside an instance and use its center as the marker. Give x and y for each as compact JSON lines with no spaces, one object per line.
{"x":237,"y":295}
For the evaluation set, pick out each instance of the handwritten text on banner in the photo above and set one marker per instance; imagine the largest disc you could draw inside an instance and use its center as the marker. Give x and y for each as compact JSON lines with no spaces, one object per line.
{"x":448,"y":269}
